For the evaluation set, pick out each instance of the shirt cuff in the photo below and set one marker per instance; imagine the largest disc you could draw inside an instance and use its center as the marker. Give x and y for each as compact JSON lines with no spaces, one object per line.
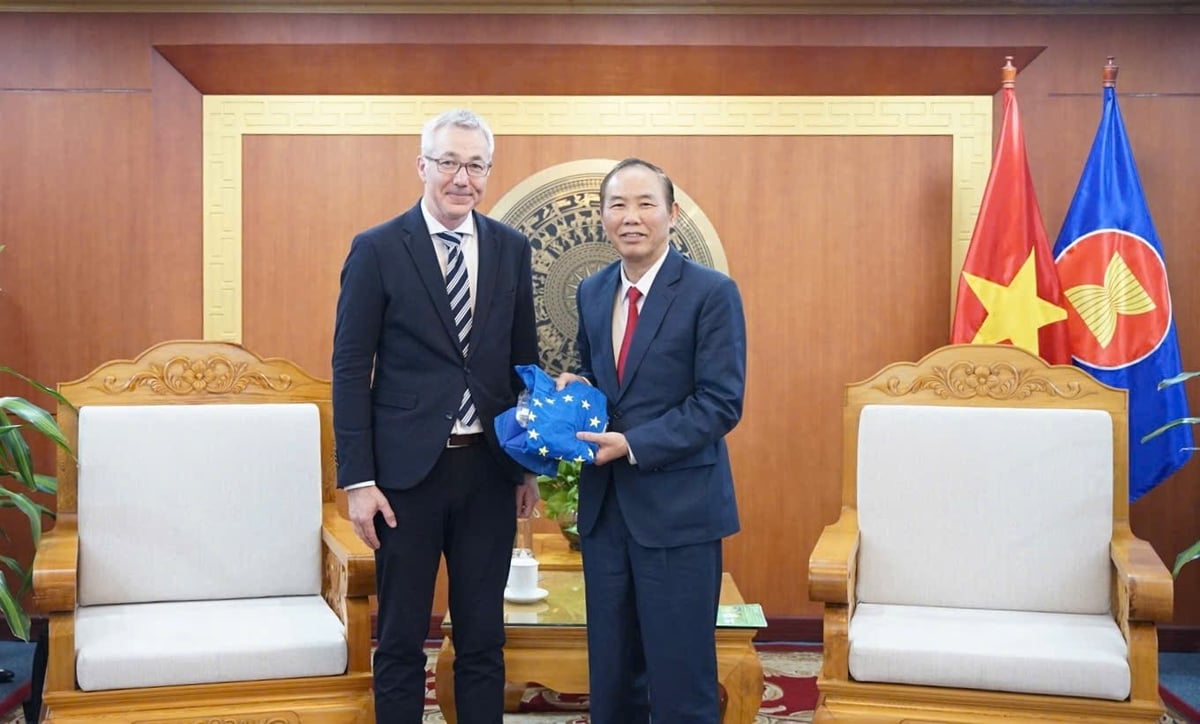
{"x":629,"y":455}
{"x":364,"y":484}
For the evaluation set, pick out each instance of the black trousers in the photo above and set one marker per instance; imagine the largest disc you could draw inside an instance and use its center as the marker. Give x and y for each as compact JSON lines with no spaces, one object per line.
{"x":465,"y":510}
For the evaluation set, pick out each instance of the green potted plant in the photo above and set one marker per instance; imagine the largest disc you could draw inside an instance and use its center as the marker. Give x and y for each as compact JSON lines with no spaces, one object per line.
{"x":1192,"y":552}
{"x":561,"y":496}
{"x":17,"y":478}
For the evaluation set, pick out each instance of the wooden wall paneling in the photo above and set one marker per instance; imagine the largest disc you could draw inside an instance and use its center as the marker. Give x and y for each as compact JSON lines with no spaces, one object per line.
{"x":171,"y":268}
{"x":545,"y":69}
{"x":719,"y":7}
{"x":73,"y":52}
{"x":1158,"y":55}
{"x":76,"y":181}
{"x":304,"y":199}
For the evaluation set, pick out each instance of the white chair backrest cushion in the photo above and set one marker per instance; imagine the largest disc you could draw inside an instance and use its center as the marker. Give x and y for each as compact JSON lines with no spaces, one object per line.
{"x":197,"y":502}
{"x":1000,"y":508}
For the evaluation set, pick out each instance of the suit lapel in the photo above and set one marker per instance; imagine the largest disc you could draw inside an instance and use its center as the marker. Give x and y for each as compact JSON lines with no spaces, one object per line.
{"x":599,"y":311}
{"x":485,"y":284}
{"x":654,"y":310}
{"x":420,"y":247}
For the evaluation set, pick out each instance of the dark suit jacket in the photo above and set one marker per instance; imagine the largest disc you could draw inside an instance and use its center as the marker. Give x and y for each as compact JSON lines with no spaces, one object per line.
{"x":683,"y":388}
{"x":398,"y":372}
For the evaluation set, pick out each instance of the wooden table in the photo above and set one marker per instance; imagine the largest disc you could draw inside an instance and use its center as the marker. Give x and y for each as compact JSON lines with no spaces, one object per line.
{"x":554,"y":553}
{"x":547,"y":644}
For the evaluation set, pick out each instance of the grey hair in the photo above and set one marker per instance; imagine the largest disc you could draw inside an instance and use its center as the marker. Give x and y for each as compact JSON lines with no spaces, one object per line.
{"x":458,"y":118}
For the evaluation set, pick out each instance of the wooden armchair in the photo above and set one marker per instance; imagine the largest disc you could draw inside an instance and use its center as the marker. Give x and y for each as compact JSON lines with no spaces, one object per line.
{"x":199,"y":570}
{"x":983,"y":568}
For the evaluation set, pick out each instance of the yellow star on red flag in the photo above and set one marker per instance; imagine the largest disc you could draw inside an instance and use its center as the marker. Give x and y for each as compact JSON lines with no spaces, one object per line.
{"x":1015,"y":312}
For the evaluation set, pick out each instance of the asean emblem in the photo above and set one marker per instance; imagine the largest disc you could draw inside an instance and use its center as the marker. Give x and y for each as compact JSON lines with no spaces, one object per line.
{"x":558,"y":208}
{"x":1119,"y":306}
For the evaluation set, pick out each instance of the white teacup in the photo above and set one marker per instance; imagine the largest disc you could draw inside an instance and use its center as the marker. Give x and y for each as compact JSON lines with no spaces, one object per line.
{"x":523,"y":577}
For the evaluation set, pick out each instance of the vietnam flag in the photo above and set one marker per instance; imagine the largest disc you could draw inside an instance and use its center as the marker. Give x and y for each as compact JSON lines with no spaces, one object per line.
{"x":1009,"y":292}
{"x":1114,"y":278}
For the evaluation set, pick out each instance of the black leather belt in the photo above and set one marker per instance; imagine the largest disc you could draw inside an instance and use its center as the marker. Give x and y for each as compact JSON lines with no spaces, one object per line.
{"x":474,"y":438}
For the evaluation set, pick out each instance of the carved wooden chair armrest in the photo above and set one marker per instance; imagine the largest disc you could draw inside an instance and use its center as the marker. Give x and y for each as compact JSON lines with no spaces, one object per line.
{"x":55,"y":585}
{"x":1143,"y":583}
{"x":348,"y":580}
{"x":56,"y":566}
{"x":1143,"y":595}
{"x":832,"y":568}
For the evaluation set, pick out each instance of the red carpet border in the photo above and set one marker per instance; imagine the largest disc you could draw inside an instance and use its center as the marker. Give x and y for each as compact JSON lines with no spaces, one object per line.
{"x":789,"y":691}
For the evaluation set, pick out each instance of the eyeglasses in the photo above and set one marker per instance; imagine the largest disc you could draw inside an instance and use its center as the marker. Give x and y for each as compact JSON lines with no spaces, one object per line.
{"x":450,"y":167}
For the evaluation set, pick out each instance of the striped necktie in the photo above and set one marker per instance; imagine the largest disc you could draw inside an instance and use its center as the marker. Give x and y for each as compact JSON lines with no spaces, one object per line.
{"x":458,"y":288}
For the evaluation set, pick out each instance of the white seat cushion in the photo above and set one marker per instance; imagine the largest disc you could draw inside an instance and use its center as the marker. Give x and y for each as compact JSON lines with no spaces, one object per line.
{"x":190,"y":502}
{"x":200,"y":642}
{"x":1019,"y":651}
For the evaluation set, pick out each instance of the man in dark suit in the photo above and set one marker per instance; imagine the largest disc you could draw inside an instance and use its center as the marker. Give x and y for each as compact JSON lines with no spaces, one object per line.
{"x":435,"y":310}
{"x":665,"y":339}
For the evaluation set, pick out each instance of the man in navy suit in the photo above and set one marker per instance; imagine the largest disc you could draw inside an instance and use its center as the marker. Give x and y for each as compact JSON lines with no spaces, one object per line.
{"x":435,"y":310}
{"x":665,"y":339}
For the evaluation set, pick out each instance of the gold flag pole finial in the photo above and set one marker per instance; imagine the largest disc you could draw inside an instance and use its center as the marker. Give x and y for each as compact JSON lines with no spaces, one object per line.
{"x":1110,"y":73}
{"x":1008,"y":74}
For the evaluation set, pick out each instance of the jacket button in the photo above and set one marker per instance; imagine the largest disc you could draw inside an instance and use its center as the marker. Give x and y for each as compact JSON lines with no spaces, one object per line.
{"x":449,"y":416}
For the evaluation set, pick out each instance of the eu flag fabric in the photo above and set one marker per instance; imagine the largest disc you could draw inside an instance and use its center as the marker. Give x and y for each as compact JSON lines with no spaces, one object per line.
{"x":1008,"y":292}
{"x":540,"y":430}
{"x":1114,"y":280}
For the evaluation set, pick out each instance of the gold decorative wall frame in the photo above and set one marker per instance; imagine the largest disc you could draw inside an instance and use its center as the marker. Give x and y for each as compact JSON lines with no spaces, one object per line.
{"x":967,"y":120}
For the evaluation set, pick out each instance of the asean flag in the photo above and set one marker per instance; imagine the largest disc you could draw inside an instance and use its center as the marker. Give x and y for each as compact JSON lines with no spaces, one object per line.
{"x":1008,"y":292}
{"x":1119,"y":316}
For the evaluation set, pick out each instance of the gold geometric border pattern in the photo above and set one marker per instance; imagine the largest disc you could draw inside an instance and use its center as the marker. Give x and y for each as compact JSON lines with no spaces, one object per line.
{"x":227,"y":119}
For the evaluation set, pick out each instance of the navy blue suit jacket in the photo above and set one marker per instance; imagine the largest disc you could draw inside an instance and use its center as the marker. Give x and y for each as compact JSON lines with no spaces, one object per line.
{"x":398,"y":370}
{"x":684,"y":384}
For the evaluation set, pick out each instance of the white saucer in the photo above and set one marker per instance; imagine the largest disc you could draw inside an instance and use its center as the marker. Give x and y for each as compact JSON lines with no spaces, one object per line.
{"x":537,"y":595}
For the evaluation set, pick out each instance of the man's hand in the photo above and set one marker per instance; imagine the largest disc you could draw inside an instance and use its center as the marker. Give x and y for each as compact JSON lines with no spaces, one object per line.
{"x":566,"y":378}
{"x":364,"y":503}
{"x":527,"y":495}
{"x":612,"y":445}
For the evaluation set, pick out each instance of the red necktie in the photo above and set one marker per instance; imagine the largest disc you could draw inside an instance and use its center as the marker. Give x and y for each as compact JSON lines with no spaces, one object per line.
{"x":630,"y":324}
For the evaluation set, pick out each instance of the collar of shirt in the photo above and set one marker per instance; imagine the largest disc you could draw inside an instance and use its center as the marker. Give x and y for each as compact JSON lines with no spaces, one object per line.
{"x":621,"y":306}
{"x":643,"y":284}
{"x":467,"y":227}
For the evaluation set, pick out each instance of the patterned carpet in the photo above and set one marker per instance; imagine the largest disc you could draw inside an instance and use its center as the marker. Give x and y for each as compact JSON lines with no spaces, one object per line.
{"x":789,"y":693}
